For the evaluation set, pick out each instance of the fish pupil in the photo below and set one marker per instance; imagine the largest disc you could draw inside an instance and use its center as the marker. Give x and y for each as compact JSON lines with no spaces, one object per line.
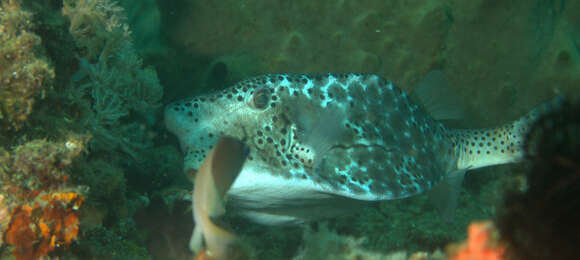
{"x":261,"y":98}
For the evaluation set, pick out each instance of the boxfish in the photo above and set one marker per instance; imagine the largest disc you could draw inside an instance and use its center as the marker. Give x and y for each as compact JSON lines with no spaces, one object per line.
{"x":321,"y":143}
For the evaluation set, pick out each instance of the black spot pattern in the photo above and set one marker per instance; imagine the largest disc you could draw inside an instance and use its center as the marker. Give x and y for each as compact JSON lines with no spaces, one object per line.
{"x":386,"y":148}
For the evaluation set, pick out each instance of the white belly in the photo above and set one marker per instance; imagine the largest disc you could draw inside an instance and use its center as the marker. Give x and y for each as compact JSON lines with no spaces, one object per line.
{"x":275,"y":200}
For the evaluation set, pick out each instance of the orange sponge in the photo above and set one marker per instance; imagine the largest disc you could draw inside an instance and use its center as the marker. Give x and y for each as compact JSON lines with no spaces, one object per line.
{"x":38,"y":228}
{"x":481,"y":244}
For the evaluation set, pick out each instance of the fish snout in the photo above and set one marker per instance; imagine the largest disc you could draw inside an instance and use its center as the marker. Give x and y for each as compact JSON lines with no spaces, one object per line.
{"x":180,"y":119}
{"x":173,"y":117}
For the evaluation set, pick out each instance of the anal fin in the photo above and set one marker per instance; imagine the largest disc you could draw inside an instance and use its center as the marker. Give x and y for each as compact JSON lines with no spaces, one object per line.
{"x":444,"y":196}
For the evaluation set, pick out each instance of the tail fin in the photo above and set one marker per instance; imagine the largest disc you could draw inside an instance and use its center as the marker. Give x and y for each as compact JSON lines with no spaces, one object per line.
{"x":219,"y":242}
{"x":491,"y":146}
{"x":214,"y":178}
{"x":229,"y":154}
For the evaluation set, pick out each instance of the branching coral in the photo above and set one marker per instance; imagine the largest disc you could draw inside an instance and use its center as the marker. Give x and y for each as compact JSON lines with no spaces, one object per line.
{"x":112,"y":97}
{"x":98,"y":26}
{"x":24,"y":72}
{"x":111,"y":76}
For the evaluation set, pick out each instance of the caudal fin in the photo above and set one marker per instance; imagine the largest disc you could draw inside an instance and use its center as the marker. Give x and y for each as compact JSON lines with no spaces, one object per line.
{"x":491,"y":146}
{"x":229,"y":155}
{"x":214,"y":178}
{"x":218,"y":241}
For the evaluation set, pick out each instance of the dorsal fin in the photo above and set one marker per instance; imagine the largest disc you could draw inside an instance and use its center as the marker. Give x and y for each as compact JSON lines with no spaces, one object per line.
{"x":437,"y":98}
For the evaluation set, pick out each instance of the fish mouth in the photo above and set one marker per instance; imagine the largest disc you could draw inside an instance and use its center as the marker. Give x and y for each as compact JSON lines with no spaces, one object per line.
{"x":169,"y":119}
{"x":179,"y":120}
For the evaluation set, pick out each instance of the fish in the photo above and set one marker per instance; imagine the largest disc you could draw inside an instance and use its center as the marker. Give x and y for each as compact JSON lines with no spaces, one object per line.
{"x":212,"y":180}
{"x":321,"y":141}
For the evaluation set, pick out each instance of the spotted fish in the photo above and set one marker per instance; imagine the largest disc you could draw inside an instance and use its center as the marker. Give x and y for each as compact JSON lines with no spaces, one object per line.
{"x":322,"y":138}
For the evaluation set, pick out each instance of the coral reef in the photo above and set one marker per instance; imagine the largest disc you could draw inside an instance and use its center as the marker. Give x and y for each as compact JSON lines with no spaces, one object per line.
{"x":144,"y":18}
{"x":327,"y":244}
{"x":90,"y":126}
{"x":48,"y":223}
{"x":540,"y":220}
{"x":116,"y":242}
{"x":111,"y":74}
{"x":25,"y":73}
{"x":165,"y":239}
{"x":39,"y":205}
{"x":38,"y":164}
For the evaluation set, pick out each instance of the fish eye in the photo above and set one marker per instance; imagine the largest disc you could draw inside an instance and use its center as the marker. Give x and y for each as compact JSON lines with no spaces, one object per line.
{"x":260,"y":98}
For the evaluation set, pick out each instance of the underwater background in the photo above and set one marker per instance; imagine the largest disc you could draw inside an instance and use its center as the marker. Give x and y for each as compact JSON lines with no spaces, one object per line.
{"x":88,"y":171}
